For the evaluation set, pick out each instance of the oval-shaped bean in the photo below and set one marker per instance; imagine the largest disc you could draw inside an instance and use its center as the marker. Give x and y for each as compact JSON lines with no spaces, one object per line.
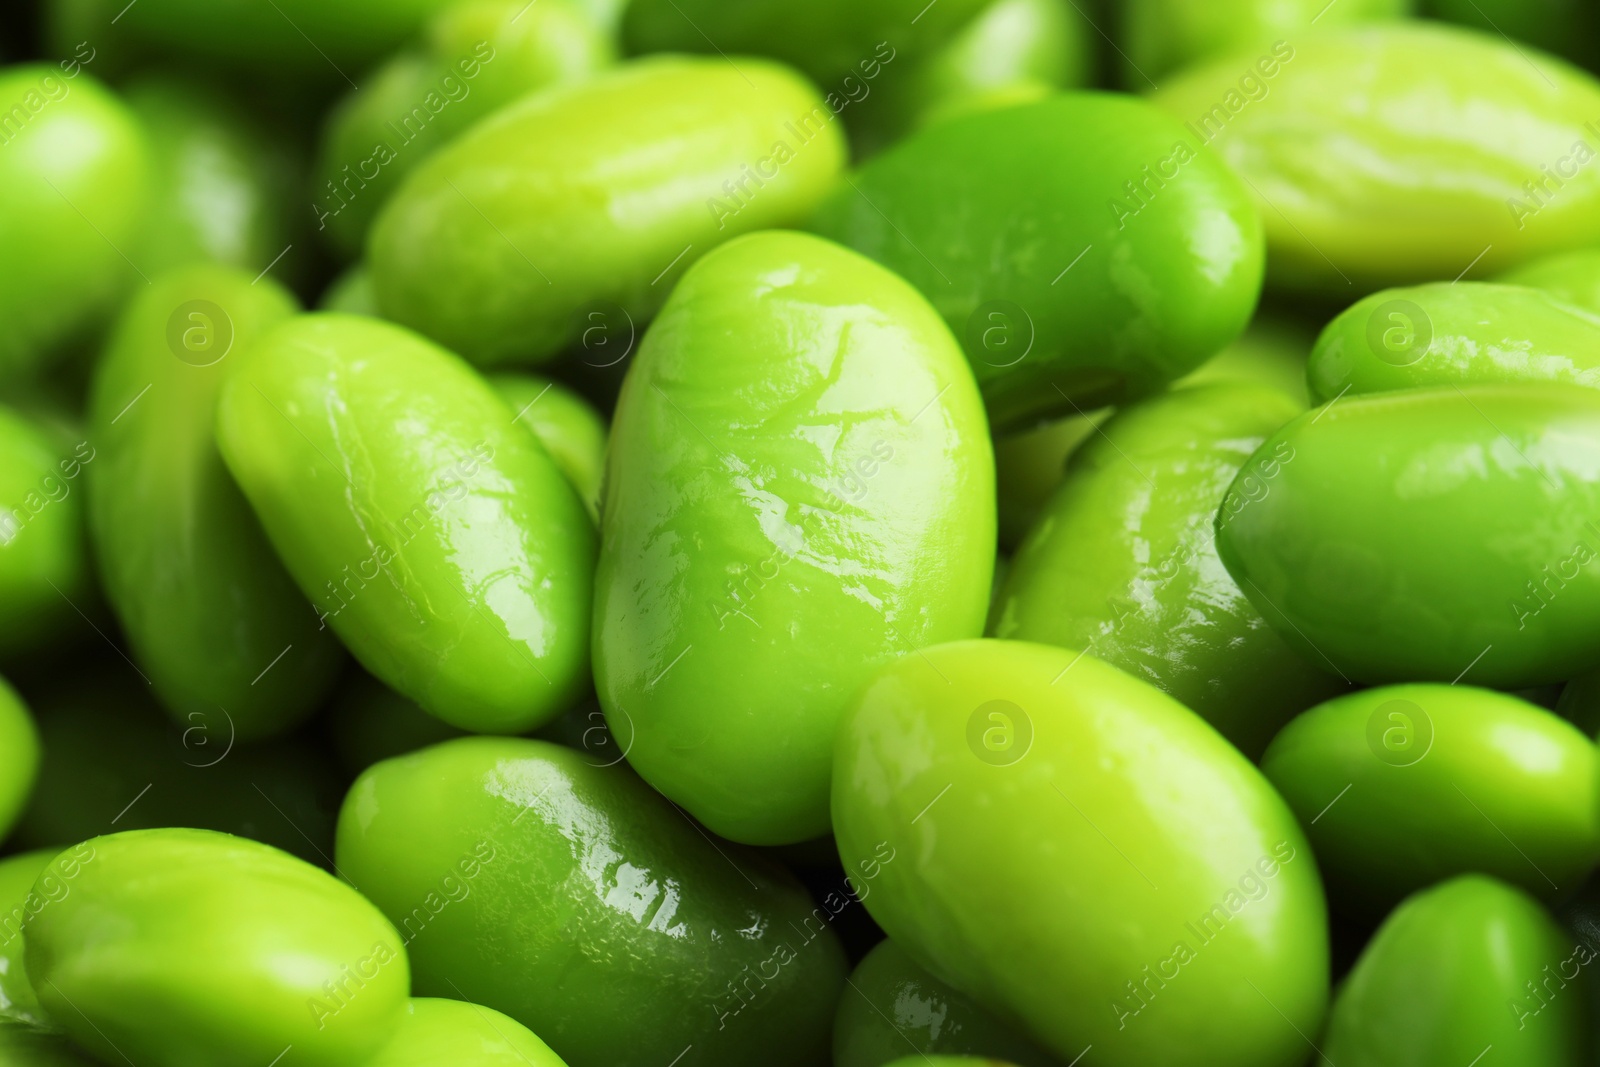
{"x":1078,"y":850}
{"x":220,"y":183}
{"x":799,"y":489}
{"x":1122,"y":562}
{"x":18,"y":900}
{"x":212,"y":616}
{"x":178,"y":947}
{"x":74,"y":176}
{"x":1434,"y":781}
{"x":1467,"y":966}
{"x":1159,"y":36}
{"x":528,"y":878}
{"x":1401,"y":153}
{"x":1466,"y":333}
{"x":897,"y":1002}
{"x":453,"y":559}
{"x":1429,"y":534}
{"x":474,"y":58}
{"x":111,"y":758}
{"x":1570,"y":276}
{"x":436,"y":1031}
{"x":44,"y":553}
{"x":1025,"y":245}
{"x":566,"y":424}
{"x":831,"y":40}
{"x":597,"y":195}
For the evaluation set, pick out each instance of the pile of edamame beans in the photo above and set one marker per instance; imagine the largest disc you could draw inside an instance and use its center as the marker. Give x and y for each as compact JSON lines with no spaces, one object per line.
{"x":761,"y":533}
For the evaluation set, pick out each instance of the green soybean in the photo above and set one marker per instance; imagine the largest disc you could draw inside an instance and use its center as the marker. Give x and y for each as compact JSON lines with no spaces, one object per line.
{"x":1123,"y":563}
{"x":895,"y":1002}
{"x":18,"y":900}
{"x":1434,"y":985}
{"x":1024,"y":244}
{"x":616,"y":899}
{"x":212,"y":616}
{"x":800,"y":488}
{"x":474,"y":58}
{"x":594,"y":196}
{"x":1466,"y":333}
{"x":568,"y":427}
{"x":1478,"y":158}
{"x":44,"y":553}
{"x":1034,"y":798}
{"x":178,"y":947}
{"x":454,"y":560}
{"x":1429,"y":534}
{"x":1434,"y":781}
{"x":1159,"y":36}
{"x":220,"y":181}
{"x":437,"y":1031}
{"x":828,"y":39}
{"x":73,"y":190}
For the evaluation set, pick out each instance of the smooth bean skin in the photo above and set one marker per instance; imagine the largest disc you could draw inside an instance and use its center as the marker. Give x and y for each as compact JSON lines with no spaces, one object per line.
{"x":1466,"y":333}
{"x":1413,"y":530}
{"x":630,"y":905}
{"x":1441,"y":781}
{"x":44,"y":553}
{"x":596,"y":195}
{"x":1433,"y":986}
{"x":212,"y":616}
{"x":453,"y":561}
{"x":896,"y":1001}
{"x":986,"y":214}
{"x":1570,"y":276}
{"x":1397,"y":153}
{"x":474,"y":58}
{"x":1106,"y":867}
{"x":799,"y":489}
{"x":1122,"y":562}
{"x":104,"y":741}
{"x":826,"y":39}
{"x":183,"y":947}
{"x":219,"y":182}
{"x":1159,"y":36}
{"x":73,"y":189}
{"x":19,"y":756}
{"x":1015,"y":51}
{"x":323,"y":41}
{"x":566,"y":424}
{"x":434,"y":1032}
{"x":18,"y":1002}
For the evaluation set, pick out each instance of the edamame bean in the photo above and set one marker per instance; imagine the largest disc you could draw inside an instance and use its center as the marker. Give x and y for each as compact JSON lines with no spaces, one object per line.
{"x":453,"y":559}
{"x":1434,"y":781}
{"x":601,"y":194}
{"x":474,"y":58}
{"x":1122,"y":562}
{"x":437,"y":1031}
{"x":44,"y":555}
{"x":1429,"y":534}
{"x":800,"y":488}
{"x":900,"y":1003}
{"x":568,"y":427}
{"x":1021,"y":241}
{"x":1466,"y":333}
{"x":213,"y":617}
{"x":616,"y":899}
{"x":74,"y":186}
{"x":828,"y":39}
{"x":1035,"y":799}
{"x":178,"y":947}
{"x":1401,"y":153}
{"x":18,"y":900}
{"x":1434,"y":985}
